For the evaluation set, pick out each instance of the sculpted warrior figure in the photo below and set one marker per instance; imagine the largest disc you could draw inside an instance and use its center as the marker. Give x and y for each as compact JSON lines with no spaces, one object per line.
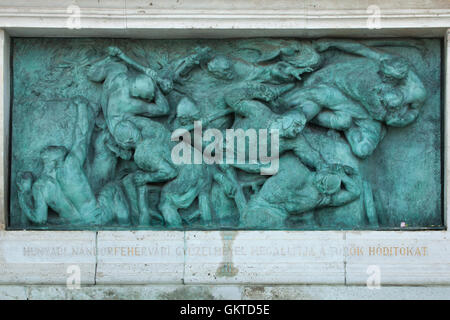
{"x":64,"y":187}
{"x":384,"y":86}
{"x":327,"y":106}
{"x":297,"y":190}
{"x":164,"y":83}
{"x":127,"y":100}
{"x":253,"y":114}
{"x":281,"y":61}
{"x":101,"y":169}
{"x":376,"y":72}
{"x":185,"y":183}
{"x":227,"y":72}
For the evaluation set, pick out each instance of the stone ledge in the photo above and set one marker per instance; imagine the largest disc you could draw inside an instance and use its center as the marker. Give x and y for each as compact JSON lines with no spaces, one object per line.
{"x":224,"y":257}
{"x":140,"y":257}
{"x":46,"y":257}
{"x":222,"y":292}
{"x":160,"y":15}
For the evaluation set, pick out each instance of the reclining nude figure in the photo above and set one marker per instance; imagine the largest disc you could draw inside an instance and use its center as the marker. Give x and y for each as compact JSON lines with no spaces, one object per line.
{"x":63,"y":185}
{"x":297,"y":190}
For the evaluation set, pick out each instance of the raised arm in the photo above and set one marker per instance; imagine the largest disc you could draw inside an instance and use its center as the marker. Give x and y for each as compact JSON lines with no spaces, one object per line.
{"x":237,"y":100}
{"x":83,"y":129}
{"x":116,"y":52}
{"x":185,"y":65}
{"x":351,"y":46}
{"x":165,"y":84}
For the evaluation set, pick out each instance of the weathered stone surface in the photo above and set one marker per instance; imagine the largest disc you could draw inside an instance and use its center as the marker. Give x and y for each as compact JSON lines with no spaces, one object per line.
{"x":395,"y":258}
{"x":229,"y":292}
{"x":140,"y":257}
{"x":47,"y":257}
{"x":345,"y":293}
{"x":219,"y":19}
{"x":223,"y":257}
{"x":13,"y":292}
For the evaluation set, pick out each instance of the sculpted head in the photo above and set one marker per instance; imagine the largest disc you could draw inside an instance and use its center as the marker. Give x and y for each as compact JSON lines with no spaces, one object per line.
{"x":327,"y":182}
{"x":99,"y":70}
{"x":187,"y":111}
{"x":402,"y":93}
{"x":142,"y":87}
{"x":301,"y":55}
{"x":398,"y":94}
{"x":53,"y":156}
{"x":394,"y":69}
{"x":221,"y":67}
{"x":390,"y":97}
{"x":127,"y":134}
{"x":290,"y":124}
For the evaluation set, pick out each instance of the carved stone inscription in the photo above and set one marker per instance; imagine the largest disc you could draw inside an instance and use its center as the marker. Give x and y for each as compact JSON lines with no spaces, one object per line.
{"x":211,"y":134}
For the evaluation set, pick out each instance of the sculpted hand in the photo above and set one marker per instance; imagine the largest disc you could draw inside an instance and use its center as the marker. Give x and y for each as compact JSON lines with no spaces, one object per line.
{"x":23,"y":181}
{"x":113,"y":51}
{"x":282,"y":71}
{"x":166,"y":85}
{"x":203,"y":53}
{"x":151,"y":73}
{"x":296,"y":72}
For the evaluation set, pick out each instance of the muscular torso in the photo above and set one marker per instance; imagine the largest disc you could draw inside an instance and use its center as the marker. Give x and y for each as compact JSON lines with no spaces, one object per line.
{"x":292,"y":189}
{"x":55,"y":198}
{"x":120,"y":106}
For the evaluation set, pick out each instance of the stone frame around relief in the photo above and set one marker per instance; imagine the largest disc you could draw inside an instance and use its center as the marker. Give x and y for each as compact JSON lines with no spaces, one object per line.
{"x":350,"y":253}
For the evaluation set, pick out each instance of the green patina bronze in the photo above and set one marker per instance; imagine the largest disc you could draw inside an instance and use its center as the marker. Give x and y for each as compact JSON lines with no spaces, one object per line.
{"x":357,"y":126}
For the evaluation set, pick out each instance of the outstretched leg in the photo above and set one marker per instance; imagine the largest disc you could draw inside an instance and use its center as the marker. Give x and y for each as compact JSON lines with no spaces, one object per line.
{"x":170,"y":211}
{"x":72,"y":177}
{"x":113,"y":205}
{"x":84,"y":126}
